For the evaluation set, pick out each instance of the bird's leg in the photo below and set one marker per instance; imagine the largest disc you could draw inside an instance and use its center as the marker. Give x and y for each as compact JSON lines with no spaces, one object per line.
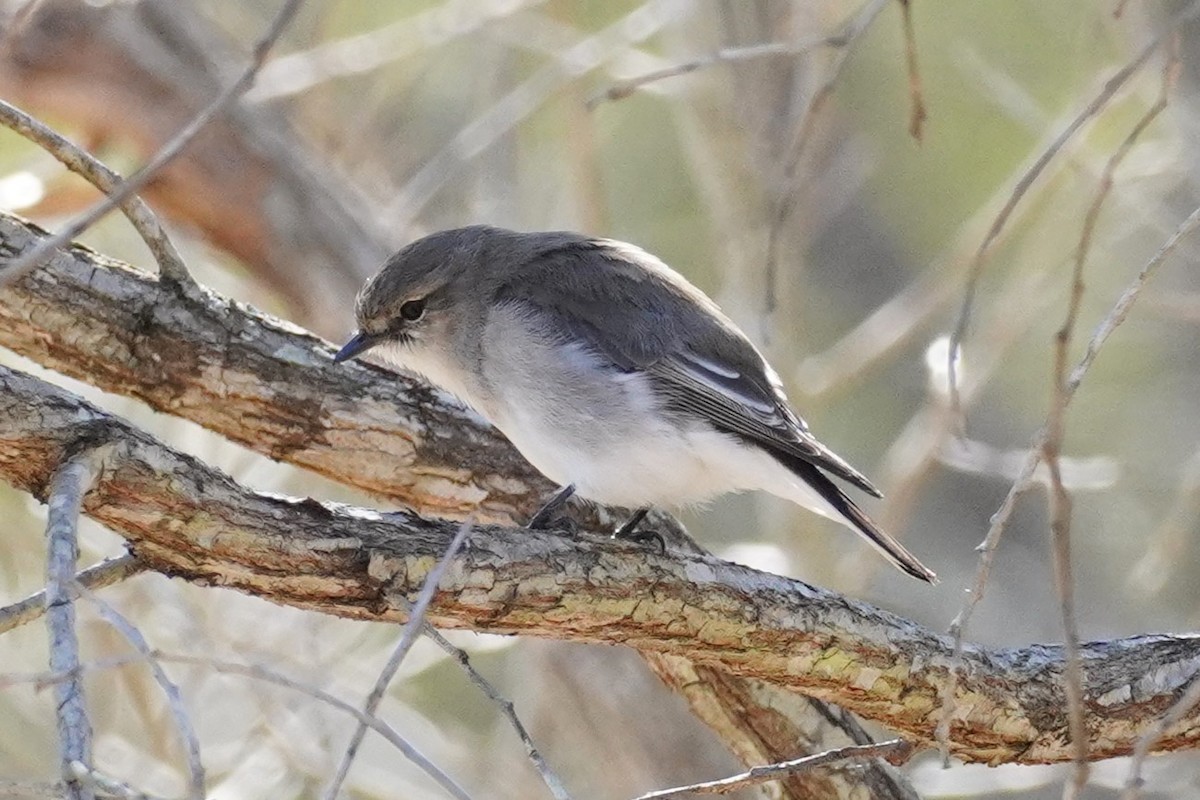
{"x":629,"y":531}
{"x":549,"y":517}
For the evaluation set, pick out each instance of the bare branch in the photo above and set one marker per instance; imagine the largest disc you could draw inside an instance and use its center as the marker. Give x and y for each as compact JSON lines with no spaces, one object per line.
{"x":79,"y":161}
{"x":183,"y":721}
{"x":916,"y":119}
{"x":1064,"y":582}
{"x":260,"y":673}
{"x":1059,"y":497}
{"x":412,"y":629}
{"x":896,"y":748}
{"x":728,"y":55}
{"x":106,"y":573}
{"x":548,"y":776}
{"x":14,"y":270}
{"x":188,"y":520}
{"x":1089,"y":112}
{"x":1048,"y":443}
{"x":999,"y":520}
{"x":72,"y":478}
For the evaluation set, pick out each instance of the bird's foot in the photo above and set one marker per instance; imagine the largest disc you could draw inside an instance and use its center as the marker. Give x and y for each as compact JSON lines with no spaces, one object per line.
{"x":550,"y":517}
{"x":630,"y":532}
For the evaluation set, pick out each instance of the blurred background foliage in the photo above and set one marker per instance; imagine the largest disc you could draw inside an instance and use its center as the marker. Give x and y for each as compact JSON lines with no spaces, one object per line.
{"x":845,"y":258}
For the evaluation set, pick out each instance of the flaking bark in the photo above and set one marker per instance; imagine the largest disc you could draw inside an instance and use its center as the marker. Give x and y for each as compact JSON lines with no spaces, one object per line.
{"x":187,"y":519}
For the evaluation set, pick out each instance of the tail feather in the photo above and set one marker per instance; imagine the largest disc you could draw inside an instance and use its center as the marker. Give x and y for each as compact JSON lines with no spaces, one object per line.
{"x":891,"y":549}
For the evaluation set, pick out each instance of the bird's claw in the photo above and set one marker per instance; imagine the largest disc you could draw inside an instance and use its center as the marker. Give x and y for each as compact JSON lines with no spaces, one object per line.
{"x":631,"y":533}
{"x":639,"y":536}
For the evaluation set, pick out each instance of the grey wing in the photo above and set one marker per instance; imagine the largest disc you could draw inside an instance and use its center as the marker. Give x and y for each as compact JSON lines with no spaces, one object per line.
{"x":700,"y":364}
{"x":752,"y":406}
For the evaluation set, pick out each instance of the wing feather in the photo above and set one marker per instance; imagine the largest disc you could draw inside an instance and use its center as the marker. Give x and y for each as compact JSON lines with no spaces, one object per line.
{"x":632,"y":309}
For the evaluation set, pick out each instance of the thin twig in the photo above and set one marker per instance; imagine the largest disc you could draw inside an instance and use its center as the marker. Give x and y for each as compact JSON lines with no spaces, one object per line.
{"x":266,"y":675}
{"x":106,"y":573}
{"x":845,"y":43}
{"x":1178,"y":710}
{"x":1125,"y":303}
{"x":183,"y":721}
{"x":916,"y":97}
{"x":70,"y":483}
{"x":1024,"y":480}
{"x":1059,"y":498}
{"x":36,"y":255}
{"x":549,"y":777}
{"x":412,"y":630}
{"x":108,"y":786}
{"x":987,"y":548}
{"x":1060,"y":529}
{"x":897,"y":750}
{"x":83,"y":163}
{"x":1093,"y":108}
{"x":726,"y":55}
{"x":255,"y":672}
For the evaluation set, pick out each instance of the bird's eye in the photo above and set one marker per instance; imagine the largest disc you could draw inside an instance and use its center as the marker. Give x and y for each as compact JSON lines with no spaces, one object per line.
{"x":413,"y":310}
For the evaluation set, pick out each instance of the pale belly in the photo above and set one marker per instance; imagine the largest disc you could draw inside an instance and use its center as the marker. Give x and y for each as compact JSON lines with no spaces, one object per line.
{"x":656,"y":468}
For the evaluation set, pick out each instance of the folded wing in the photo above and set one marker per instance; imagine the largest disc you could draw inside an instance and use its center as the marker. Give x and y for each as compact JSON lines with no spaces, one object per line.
{"x":633,"y":310}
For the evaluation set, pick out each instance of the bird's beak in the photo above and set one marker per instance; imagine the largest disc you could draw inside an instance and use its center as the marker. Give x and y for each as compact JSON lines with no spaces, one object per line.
{"x":359,"y":343}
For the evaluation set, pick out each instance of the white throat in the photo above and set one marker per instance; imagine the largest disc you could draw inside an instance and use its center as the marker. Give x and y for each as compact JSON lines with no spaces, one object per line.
{"x":436,"y":367}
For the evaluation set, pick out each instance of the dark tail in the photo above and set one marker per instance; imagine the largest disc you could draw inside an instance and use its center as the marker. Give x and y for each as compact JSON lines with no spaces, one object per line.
{"x":892,"y":550}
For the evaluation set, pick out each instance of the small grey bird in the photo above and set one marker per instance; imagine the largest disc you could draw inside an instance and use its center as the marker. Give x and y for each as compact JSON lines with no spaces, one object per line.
{"x":607,"y":370}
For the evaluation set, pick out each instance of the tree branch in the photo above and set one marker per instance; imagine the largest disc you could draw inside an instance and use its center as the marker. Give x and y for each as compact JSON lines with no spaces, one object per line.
{"x":412,"y":629}
{"x":270,"y":386}
{"x":73,"y":475}
{"x":262,"y":383}
{"x":174,"y":146}
{"x":160,"y":63}
{"x":186,"y":519}
{"x":774,"y":772}
{"x":106,"y":573}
